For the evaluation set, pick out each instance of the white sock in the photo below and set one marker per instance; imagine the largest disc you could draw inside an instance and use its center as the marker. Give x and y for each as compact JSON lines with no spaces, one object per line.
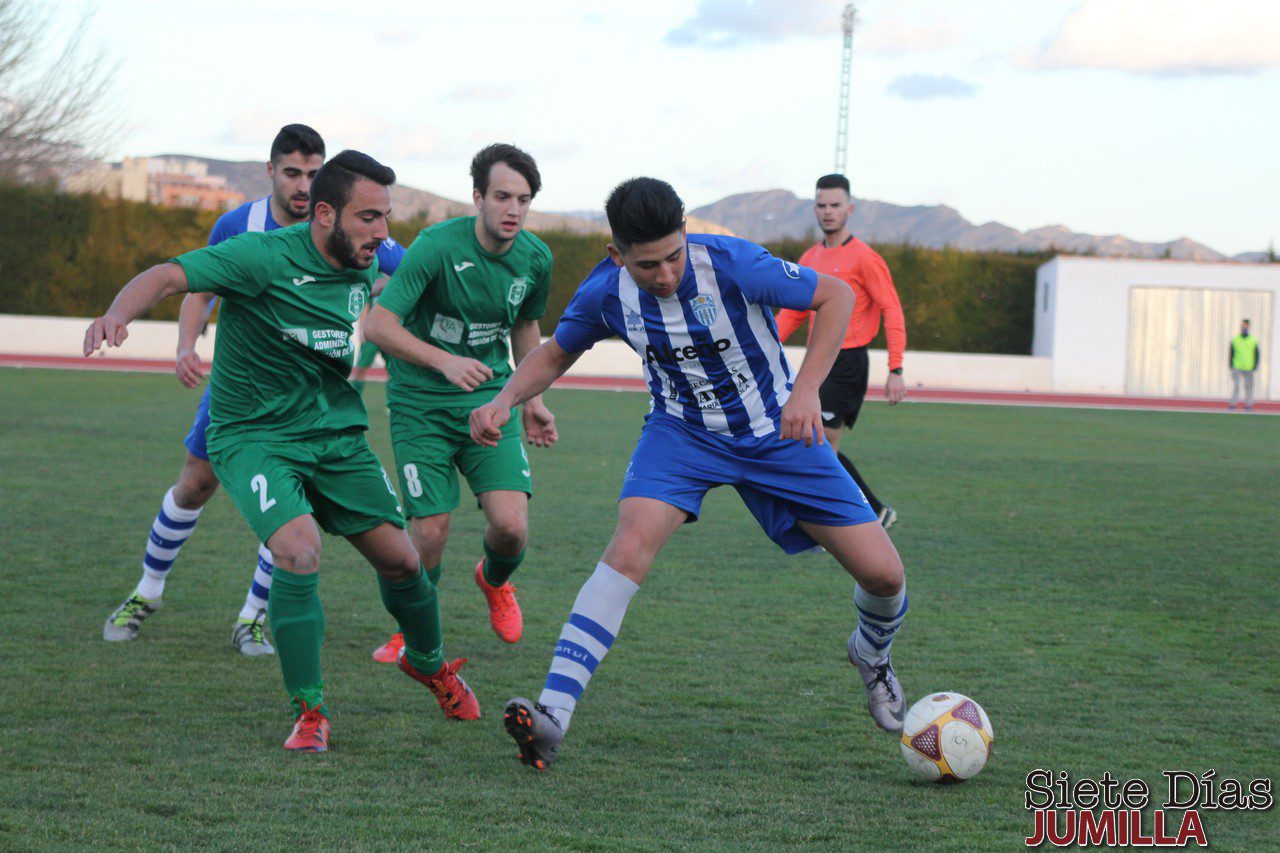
{"x":256,"y":599}
{"x":585,"y":639}
{"x":879,"y":618}
{"x":172,"y":527}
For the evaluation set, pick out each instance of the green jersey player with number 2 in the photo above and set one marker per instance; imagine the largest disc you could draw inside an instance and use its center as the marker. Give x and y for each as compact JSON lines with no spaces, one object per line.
{"x":286,"y":435}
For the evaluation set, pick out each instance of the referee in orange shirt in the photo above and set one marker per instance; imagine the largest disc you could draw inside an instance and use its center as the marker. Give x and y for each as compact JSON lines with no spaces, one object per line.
{"x":846,"y":257}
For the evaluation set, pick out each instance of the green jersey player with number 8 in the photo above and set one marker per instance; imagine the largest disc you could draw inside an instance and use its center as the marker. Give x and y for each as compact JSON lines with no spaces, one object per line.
{"x":286,"y":435}
{"x":464,"y":287}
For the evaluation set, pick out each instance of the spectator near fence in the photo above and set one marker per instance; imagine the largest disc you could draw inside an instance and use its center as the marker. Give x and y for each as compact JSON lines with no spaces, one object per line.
{"x":1243,"y":358}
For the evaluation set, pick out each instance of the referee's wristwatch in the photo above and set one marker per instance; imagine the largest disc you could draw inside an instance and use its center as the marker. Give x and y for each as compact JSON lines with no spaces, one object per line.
{"x":897,"y":371}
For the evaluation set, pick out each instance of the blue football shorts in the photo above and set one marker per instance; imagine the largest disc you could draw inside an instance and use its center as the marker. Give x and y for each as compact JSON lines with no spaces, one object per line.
{"x":195,"y":438}
{"x":781,"y":482}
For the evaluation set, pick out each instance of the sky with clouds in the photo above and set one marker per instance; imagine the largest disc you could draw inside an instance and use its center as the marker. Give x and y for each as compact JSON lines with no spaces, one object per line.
{"x":1152,"y":118}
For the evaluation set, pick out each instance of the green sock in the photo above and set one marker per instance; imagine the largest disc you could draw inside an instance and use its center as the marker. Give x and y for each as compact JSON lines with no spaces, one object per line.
{"x":416,"y":608}
{"x":358,"y":384}
{"x":498,"y":568}
{"x":433,"y":575}
{"x":297,"y":625}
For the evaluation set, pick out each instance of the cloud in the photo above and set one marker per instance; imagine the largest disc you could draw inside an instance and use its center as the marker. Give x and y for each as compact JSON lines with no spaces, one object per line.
{"x":734,"y":23}
{"x":918,"y":87}
{"x":484,"y":94}
{"x":892,"y":36}
{"x":1164,"y":37}
{"x":395,"y":38}
{"x":350,"y":129}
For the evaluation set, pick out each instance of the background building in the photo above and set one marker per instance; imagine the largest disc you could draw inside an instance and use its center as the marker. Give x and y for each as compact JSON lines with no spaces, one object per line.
{"x":1153,"y":328}
{"x":171,"y":182}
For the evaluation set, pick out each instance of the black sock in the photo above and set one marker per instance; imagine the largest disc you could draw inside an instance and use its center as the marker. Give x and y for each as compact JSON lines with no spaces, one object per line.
{"x":876,"y":506}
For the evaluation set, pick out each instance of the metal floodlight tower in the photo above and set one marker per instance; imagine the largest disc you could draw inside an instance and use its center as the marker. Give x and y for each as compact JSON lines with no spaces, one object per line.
{"x":846,"y":67}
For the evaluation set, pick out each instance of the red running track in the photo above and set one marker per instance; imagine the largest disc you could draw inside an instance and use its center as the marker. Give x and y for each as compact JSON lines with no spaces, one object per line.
{"x":608,"y":383}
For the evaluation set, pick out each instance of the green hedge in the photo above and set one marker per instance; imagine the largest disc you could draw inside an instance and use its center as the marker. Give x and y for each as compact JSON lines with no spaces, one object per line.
{"x":68,"y":255}
{"x":954,"y":301}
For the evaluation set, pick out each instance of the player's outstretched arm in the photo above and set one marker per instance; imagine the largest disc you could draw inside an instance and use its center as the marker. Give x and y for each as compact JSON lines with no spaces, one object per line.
{"x":134,"y":299}
{"x":535,"y":374}
{"x":539,"y":424}
{"x":387,"y":332}
{"x":195,"y":311}
{"x":832,"y":307}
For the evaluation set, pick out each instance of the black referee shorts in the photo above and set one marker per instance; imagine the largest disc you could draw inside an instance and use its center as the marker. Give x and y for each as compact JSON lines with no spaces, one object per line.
{"x":846,"y":385}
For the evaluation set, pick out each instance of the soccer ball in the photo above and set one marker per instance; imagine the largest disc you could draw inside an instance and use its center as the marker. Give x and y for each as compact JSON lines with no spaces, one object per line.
{"x":946,"y":737}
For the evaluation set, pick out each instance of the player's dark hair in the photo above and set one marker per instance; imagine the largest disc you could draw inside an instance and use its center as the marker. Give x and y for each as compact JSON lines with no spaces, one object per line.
{"x":294,"y":138}
{"x":500,"y":152}
{"x":333,"y":182}
{"x":834,"y":182}
{"x":641,"y":210}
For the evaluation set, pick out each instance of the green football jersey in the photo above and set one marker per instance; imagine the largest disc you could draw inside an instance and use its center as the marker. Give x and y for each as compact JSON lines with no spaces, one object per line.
{"x":284,"y":347}
{"x":451,"y":293}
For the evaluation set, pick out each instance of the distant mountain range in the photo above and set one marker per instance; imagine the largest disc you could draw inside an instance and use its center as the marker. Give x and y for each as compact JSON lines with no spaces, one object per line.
{"x":774,"y":214}
{"x":250,"y":178}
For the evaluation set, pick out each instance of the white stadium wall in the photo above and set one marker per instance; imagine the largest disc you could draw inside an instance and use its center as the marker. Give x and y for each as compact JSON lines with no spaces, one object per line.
{"x":64,"y":336}
{"x":1084,"y":325}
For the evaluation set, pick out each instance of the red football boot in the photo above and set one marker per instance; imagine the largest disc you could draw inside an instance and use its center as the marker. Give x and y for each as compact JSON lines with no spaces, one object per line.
{"x":390,"y":650}
{"x":504,"y":611}
{"x":310,"y":731}
{"x":455,"y":697}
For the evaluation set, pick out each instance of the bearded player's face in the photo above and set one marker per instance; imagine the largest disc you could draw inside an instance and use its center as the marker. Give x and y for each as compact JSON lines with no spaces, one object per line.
{"x":361,"y":227}
{"x":291,"y":176}
{"x":832,"y":207}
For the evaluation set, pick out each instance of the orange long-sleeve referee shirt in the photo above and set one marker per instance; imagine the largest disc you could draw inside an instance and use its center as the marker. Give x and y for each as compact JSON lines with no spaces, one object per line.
{"x":866,"y":272}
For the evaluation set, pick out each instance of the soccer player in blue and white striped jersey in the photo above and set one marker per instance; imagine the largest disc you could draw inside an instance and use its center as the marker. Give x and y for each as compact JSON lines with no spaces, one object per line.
{"x":727,"y":410}
{"x":296,"y":155}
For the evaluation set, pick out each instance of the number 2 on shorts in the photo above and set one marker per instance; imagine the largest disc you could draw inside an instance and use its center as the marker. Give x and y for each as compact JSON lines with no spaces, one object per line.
{"x":259,"y":486}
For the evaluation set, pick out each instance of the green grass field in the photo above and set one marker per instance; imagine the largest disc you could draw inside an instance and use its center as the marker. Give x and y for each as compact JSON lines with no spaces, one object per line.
{"x":1105,"y":584}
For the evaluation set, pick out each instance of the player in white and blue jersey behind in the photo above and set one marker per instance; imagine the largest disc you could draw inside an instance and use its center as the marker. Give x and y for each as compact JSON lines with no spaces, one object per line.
{"x":296,"y":156}
{"x":726,"y":410}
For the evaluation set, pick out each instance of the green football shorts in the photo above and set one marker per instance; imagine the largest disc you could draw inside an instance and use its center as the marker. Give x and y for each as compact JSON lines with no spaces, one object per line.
{"x":433,"y":445}
{"x":337,"y":479}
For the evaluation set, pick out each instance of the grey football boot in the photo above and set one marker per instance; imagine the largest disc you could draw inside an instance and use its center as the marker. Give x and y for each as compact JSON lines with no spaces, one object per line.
{"x":536,"y":732}
{"x":250,"y":639}
{"x":884,"y":693}
{"x":124,"y":623}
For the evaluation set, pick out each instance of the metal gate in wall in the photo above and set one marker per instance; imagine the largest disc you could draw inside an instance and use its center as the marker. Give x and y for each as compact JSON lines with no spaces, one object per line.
{"x":1179,"y":338}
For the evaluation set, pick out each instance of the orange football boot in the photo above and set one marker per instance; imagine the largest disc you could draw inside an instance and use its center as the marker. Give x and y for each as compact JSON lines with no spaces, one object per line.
{"x":455,"y":697}
{"x":390,"y":650}
{"x":504,"y":611}
{"x":310,"y":731}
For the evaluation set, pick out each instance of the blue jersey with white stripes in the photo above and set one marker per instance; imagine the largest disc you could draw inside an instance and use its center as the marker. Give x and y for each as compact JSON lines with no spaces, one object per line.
{"x":256,"y":216}
{"x":711,"y":351}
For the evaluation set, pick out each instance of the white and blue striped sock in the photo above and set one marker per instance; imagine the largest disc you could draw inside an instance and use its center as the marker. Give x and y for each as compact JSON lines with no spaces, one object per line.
{"x":256,"y":599}
{"x":879,"y":618}
{"x":172,"y":527}
{"x":585,"y":639}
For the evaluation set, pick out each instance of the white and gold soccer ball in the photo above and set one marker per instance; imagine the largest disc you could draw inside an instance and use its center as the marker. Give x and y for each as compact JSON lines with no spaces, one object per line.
{"x":946,"y":737}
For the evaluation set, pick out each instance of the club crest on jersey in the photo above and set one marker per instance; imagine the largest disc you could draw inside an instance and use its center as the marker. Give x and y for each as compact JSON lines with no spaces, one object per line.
{"x":635,"y":323}
{"x":704,"y":308}
{"x":519,"y":286}
{"x":355,"y":303}
{"x":792,"y":270}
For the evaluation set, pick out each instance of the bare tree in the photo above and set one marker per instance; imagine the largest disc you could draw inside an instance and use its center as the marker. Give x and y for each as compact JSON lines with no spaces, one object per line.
{"x":56,"y":112}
